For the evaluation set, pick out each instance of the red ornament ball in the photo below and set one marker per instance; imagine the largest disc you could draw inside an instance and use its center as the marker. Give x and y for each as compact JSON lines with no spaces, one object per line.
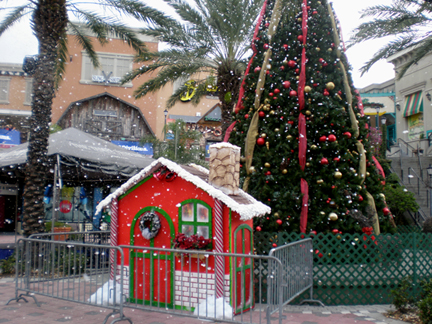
{"x":285,"y":46}
{"x":236,"y":110}
{"x":246,"y":116}
{"x":286,"y":84}
{"x":279,"y":221}
{"x":336,"y":159}
{"x":320,"y":255}
{"x":313,"y":232}
{"x":386,"y":211}
{"x":258,"y":228}
{"x":266,"y":46}
{"x":276,"y":91}
{"x":260,"y":141}
{"x":268,"y":173}
{"x":323,"y":138}
{"x":261,"y":114}
{"x":332,"y":138}
{"x":326,"y":93}
{"x":360,"y":198}
{"x":300,"y":38}
{"x":335,"y":231}
{"x":271,"y":94}
{"x":324,"y":161}
{"x":274,"y":245}
{"x":347,"y":134}
{"x":321,"y":60}
{"x":292,"y":63}
{"x":293,"y":93}
{"x":282,"y":68}
{"x":257,"y":69}
{"x":266,"y":24}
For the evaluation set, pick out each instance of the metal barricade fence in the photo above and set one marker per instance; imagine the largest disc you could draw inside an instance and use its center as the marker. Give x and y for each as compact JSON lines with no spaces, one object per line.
{"x":69,"y":271}
{"x":92,"y":237}
{"x":296,"y":276}
{"x":178,"y":282}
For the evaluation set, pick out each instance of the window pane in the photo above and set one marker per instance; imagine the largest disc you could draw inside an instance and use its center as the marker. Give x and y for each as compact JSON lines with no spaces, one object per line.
{"x":4,"y":90}
{"x":203,"y":231}
{"x":107,"y":65}
{"x":203,"y":214}
{"x":188,"y":212}
{"x":188,"y":230}
{"x":123,"y":67}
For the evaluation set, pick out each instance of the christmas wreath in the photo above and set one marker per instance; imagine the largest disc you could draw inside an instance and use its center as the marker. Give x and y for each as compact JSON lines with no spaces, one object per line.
{"x":149,"y":225}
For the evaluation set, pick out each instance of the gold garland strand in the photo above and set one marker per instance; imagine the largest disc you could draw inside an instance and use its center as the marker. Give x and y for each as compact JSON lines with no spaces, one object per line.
{"x":253,"y":127}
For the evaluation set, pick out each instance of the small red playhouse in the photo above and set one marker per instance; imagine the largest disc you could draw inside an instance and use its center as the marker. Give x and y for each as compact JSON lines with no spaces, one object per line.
{"x":190,"y":200}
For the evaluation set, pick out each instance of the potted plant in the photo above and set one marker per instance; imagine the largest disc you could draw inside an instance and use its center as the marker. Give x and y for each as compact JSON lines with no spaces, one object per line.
{"x":58,"y":228}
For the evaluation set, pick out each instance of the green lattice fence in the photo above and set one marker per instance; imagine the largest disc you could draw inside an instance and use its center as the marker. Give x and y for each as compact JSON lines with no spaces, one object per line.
{"x":359,"y":269}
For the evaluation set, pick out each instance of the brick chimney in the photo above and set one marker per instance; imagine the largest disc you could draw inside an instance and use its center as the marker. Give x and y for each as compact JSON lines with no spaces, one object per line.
{"x":225,"y":167}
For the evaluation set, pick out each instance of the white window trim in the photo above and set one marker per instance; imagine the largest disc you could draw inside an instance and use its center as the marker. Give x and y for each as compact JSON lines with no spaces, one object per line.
{"x":8,"y":79}
{"x":29,"y":83}
{"x":100,"y":56}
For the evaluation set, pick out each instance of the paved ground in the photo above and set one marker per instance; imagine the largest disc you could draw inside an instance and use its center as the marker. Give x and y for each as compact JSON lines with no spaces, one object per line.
{"x":56,"y":311}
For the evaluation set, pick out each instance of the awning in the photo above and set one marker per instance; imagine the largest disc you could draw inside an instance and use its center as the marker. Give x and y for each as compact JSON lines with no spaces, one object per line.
{"x":414,"y":104}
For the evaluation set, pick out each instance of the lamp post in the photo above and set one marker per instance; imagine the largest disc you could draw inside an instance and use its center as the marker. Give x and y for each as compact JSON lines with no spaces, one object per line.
{"x":384,"y":143}
{"x":429,"y":172}
{"x":377,"y":117}
{"x":165,"y":130}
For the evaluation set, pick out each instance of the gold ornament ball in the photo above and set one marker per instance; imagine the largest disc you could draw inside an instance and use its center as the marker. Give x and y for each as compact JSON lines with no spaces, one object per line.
{"x":322,"y":213}
{"x":267,"y":165}
{"x":329,"y":49}
{"x":276,"y":215}
{"x":320,"y":181}
{"x":314,"y":147}
{"x":284,"y":171}
{"x":318,"y":49}
{"x":297,"y":77}
{"x":299,"y":19}
{"x":272,"y":112}
{"x":307,"y":164}
{"x":289,"y":137}
{"x":307,"y":112}
{"x":266,"y":101}
{"x":367,"y":174}
{"x":252,"y":169}
{"x":263,"y":135}
{"x":307,"y":89}
{"x":330,"y":85}
{"x":276,"y":130}
{"x":333,"y":216}
{"x":382,"y":195}
{"x":338,"y":175}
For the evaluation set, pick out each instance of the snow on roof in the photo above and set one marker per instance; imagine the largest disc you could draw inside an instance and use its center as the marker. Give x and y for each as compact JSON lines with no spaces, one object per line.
{"x":244,"y":204}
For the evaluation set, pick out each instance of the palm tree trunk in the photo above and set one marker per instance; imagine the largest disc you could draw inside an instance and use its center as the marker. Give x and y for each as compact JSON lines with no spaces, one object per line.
{"x":49,"y":25}
{"x":229,"y":82}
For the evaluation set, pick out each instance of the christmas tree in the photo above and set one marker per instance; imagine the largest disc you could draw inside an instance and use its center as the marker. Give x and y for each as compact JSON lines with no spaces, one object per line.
{"x":302,"y":130}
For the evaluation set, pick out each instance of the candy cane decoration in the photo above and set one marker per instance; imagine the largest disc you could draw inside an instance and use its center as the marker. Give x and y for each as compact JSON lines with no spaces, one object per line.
{"x":114,"y":234}
{"x":219,"y":249}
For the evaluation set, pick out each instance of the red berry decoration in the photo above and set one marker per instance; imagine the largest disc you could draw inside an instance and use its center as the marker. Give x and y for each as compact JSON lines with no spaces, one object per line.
{"x":266,"y":46}
{"x":290,"y":122}
{"x":347,"y":134}
{"x":292,"y":63}
{"x":279,"y":221}
{"x":323,"y":138}
{"x":332,"y":138}
{"x":261,"y":114}
{"x":257,"y":69}
{"x":260,"y":141}
{"x":286,"y":84}
{"x":285,"y":46}
{"x":360,"y":198}
{"x":293,"y":93}
{"x":324,"y":161}
{"x":246,"y":116}
{"x":258,"y":228}
{"x":386,"y":211}
{"x":276,"y":91}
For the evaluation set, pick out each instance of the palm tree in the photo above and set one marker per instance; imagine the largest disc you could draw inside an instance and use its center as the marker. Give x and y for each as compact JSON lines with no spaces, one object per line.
{"x":409,"y":21}
{"x":49,"y":20}
{"x":209,"y":42}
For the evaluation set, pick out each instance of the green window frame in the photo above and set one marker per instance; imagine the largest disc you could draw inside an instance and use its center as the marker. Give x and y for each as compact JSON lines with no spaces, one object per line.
{"x":195,"y":217}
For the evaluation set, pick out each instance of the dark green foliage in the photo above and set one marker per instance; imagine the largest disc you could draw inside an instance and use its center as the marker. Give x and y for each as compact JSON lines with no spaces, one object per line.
{"x":425,"y":310}
{"x":402,"y":299}
{"x":399,"y":199}
{"x":427,"y":225}
{"x":278,"y":185}
{"x":7,"y":266}
{"x":183,"y":148}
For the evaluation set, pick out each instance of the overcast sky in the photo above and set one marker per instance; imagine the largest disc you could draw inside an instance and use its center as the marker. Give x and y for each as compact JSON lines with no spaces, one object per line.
{"x":19,"y":41}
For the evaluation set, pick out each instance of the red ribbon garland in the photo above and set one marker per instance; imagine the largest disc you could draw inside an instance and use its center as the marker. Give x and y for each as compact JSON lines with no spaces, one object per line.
{"x":228,"y":132}
{"x":255,"y":36}
{"x":302,"y":125}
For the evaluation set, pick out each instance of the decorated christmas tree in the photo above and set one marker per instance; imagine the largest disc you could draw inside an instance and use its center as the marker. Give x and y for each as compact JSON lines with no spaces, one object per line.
{"x":302,"y":129}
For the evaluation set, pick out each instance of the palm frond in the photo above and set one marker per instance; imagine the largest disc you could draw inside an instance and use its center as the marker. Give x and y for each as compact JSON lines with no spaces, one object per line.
{"x":85,"y":42}
{"x":61,"y":61}
{"x":422,"y":49}
{"x":13,"y":17}
{"x":388,"y":50}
